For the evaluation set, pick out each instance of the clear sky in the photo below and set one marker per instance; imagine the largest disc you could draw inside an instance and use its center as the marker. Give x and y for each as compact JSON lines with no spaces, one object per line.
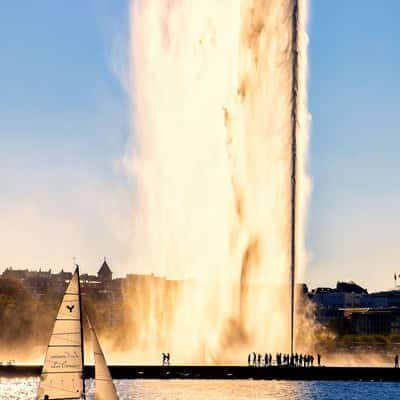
{"x":354,"y":98}
{"x":64,"y":127}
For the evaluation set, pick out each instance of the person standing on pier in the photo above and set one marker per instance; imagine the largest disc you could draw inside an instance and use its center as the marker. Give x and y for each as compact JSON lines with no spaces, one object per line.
{"x":265,"y":360}
{"x":249,"y":359}
{"x":319,"y":359}
{"x":270,"y":359}
{"x":254,"y":359}
{"x":396,"y":361}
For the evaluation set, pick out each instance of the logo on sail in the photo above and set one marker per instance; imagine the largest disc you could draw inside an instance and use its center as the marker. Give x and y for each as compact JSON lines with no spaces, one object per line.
{"x":70,"y":308}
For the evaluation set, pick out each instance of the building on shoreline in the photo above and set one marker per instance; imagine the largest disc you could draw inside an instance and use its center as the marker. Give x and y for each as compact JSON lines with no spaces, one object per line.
{"x":110,"y":297}
{"x":121,"y":305}
{"x":350,"y":308}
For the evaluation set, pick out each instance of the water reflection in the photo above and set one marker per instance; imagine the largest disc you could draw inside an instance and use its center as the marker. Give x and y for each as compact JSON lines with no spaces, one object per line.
{"x":25,"y":389}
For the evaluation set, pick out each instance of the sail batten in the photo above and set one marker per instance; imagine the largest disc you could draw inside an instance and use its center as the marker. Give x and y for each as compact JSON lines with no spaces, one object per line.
{"x":62,"y":373}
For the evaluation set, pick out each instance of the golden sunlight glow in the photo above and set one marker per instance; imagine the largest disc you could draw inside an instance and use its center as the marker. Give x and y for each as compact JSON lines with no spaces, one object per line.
{"x":211,"y":93}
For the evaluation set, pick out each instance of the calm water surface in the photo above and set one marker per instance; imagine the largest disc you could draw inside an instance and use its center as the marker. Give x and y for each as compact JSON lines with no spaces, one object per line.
{"x":25,"y":389}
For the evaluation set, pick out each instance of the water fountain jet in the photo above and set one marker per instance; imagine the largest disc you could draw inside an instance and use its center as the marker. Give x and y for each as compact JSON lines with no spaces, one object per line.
{"x":221,"y":131}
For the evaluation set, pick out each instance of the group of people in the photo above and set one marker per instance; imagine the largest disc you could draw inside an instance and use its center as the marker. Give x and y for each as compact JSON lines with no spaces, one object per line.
{"x":257,"y":360}
{"x":295,"y":360}
{"x":166,"y":358}
{"x":298,"y":360}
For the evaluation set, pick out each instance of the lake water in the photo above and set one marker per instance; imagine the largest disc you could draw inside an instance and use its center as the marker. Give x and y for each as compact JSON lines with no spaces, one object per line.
{"x":25,"y":389}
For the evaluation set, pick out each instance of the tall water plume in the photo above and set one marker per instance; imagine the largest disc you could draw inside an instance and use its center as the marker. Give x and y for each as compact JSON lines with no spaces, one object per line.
{"x":216,"y":89}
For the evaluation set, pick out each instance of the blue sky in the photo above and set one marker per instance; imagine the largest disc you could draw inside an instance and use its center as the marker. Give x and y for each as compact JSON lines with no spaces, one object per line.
{"x":354,"y":98}
{"x":64,"y":126}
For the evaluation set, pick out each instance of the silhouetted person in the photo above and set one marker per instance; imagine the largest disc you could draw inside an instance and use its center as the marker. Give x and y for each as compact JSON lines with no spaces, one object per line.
{"x":259,"y":359}
{"x":249,"y":359}
{"x":319,"y":359}
{"x":168,"y":358}
{"x":163,"y":358}
{"x":46,"y":397}
{"x":296,"y":359}
{"x":270,"y":359}
{"x":396,"y":361}
{"x":265,"y":360}
{"x":254,"y":359}
{"x":312,"y":360}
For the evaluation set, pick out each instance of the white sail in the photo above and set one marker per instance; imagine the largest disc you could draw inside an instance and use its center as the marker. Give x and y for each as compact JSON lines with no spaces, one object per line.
{"x":105,"y":389}
{"x":62,"y":374}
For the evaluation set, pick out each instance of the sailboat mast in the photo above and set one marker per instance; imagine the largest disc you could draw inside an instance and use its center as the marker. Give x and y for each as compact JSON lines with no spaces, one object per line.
{"x":81,"y":324}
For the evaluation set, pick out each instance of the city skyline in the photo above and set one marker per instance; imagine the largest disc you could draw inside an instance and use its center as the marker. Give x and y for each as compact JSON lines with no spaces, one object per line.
{"x":64,"y":130}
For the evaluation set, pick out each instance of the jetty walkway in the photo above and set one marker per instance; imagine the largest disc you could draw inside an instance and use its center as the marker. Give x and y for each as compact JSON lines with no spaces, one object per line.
{"x":225,"y":372}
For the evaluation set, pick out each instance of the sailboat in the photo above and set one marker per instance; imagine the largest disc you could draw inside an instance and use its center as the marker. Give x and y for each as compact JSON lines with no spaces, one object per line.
{"x":63,"y":369}
{"x":105,"y":389}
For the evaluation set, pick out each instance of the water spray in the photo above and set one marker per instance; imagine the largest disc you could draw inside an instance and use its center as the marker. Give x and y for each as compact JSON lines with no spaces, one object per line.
{"x":219,"y":108}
